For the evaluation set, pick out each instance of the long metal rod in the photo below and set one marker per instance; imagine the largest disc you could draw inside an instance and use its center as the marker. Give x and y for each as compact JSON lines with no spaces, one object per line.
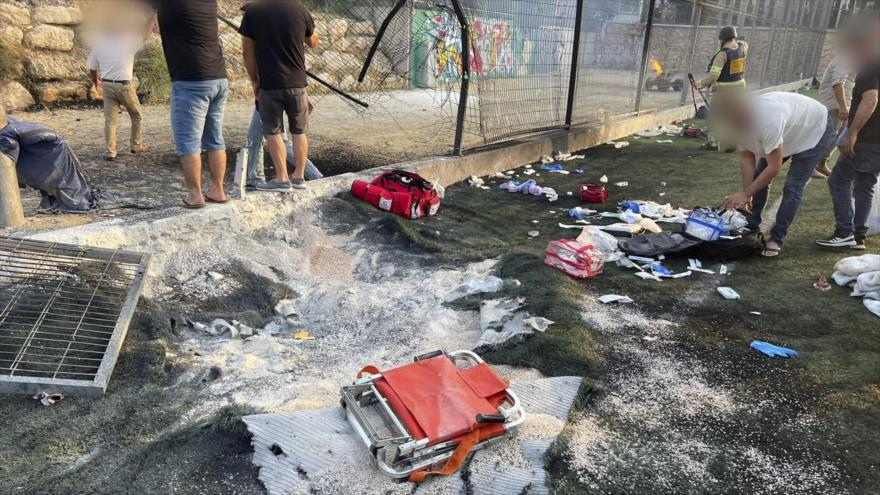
{"x":316,"y":78}
{"x":575,"y":63}
{"x":379,"y":35}
{"x":646,"y":52}
{"x":465,"y":76}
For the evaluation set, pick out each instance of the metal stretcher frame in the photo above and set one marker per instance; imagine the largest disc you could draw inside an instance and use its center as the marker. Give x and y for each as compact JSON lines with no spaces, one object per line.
{"x":411,"y":455}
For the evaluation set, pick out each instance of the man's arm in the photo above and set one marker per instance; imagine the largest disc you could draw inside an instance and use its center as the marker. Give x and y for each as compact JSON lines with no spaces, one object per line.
{"x":312,"y":41}
{"x":842,"y":104}
{"x":774,"y":167}
{"x":249,"y":52}
{"x":863,"y":114}
{"x":714,"y":72}
{"x":151,"y":26}
{"x":747,"y":161}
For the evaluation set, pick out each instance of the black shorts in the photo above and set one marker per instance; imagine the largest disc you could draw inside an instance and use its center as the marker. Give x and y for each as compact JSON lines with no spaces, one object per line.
{"x":274,"y":103}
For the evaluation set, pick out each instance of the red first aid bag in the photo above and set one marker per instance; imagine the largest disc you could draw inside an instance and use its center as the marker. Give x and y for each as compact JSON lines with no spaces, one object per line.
{"x":576,"y":259}
{"x":593,"y":193}
{"x":402,"y":193}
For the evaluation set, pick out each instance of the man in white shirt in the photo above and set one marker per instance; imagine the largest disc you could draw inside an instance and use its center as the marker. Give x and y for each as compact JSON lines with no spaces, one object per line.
{"x":835,"y":92}
{"x":111,"y":69}
{"x":770,"y":129}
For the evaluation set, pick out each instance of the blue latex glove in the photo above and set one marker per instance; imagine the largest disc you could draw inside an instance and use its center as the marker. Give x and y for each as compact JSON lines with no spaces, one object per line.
{"x":578,"y":213}
{"x":773,"y":350}
{"x":658,"y":268}
{"x":579,"y":171}
{"x":556,"y":167}
{"x":631,"y":206}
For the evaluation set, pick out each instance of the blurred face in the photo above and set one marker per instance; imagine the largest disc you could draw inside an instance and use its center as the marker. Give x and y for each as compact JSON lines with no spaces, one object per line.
{"x":862,"y":43}
{"x":731,"y":117}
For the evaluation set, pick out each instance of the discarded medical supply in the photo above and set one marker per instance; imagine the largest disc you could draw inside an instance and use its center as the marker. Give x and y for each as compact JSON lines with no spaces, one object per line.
{"x":729,"y":294}
{"x":705,"y":225}
{"x":64,"y":314}
{"x":594,"y":193}
{"x":773,"y":350}
{"x":403,"y":193}
{"x":576,"y":259}
{"x":424,"y":418}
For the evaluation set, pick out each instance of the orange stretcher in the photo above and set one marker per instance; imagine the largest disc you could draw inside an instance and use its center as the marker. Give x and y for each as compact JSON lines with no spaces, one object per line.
{"x":425,"y":418}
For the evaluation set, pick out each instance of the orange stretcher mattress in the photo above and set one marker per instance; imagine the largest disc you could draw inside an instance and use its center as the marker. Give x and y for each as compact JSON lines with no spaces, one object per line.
{"x":437,"y":400}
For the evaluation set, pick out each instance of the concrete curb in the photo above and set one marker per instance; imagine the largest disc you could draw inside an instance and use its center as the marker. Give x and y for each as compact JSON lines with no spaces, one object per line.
{"x":153,"y":229}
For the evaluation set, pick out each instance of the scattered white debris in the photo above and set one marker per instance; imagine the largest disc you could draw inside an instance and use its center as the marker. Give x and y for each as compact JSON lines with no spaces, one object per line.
{"x":729,"y":294}
{"x":534,"y":233}
{"x":723,"y":270}
{"x":538,"y":323}
{"x":603,"y":179}
{"x":614,"y":298}
{"x":285,"y":308}
{"x":215,"y":277}
{"x":476,"y":285}
{"x":664,"y":141}
{"x":622,"y":184}
{"x":756,"y":313}
{"x":48,"y":399}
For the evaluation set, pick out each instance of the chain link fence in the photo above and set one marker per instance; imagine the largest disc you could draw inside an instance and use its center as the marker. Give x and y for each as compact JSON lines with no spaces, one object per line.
{"x":533,"y":65}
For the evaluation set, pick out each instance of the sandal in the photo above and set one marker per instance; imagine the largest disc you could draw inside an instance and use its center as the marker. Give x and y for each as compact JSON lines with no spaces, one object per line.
{"x":214,"y":201}
{"x":771,"y":250}
{"x":191,"y":206}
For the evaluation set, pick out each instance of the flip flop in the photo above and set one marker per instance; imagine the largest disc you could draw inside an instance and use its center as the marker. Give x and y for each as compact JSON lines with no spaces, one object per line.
{"x":190,"y":206}
{"x":214,"y":201}
{"x":772,"y":252}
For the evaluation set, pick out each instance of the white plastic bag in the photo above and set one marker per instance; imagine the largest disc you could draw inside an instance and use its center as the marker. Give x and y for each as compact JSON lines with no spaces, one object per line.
{"x":874,"y":217}
{"x":857,"y":265}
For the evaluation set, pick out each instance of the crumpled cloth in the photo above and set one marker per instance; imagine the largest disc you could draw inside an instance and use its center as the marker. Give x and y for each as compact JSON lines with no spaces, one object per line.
{"x":867,"y":283}
{"x":857,"y":265}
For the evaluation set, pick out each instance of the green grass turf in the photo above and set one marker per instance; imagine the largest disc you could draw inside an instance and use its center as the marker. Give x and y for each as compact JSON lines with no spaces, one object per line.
{"x":836,"y":377}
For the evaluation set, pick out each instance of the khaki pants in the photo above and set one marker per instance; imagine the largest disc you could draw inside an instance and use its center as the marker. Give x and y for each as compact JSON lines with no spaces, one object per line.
{"x":124,"y":96}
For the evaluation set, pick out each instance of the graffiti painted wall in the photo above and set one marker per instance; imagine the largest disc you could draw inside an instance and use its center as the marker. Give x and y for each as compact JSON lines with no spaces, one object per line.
{"x":497,"y":50}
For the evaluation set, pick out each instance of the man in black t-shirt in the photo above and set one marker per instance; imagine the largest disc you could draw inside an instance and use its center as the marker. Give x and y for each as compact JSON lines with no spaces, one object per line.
{"x":274,"y":34}
{"x":854,"y":179}
{"x":191,"y":41}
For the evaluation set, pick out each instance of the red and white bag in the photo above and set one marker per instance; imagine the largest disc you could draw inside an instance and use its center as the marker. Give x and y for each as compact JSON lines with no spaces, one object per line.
{"x":593,"y":193}
{"x":402,"y":193}
{"x":576,"y":259}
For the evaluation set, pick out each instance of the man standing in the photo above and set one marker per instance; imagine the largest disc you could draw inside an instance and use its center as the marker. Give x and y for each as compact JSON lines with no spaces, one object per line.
{"x":191,"y":41}
{"x":727,"y":70}
{"x":769,"y":129}
{"x":854,"y":178}
{"x":111,"y":69}
{"x":274,"y":34}
{"x":835,"y":92}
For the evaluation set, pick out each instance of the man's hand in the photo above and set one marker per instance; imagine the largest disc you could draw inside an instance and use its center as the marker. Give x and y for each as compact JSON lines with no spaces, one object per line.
{"x":311,"y":106}
{"x":843,"y":114}
{"x":255,"y":85}
{"x":736,"y":201}
{"x":849,"y":144}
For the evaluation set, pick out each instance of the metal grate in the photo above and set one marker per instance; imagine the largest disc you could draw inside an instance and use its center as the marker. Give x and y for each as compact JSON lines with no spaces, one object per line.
{"x":64,"y":313}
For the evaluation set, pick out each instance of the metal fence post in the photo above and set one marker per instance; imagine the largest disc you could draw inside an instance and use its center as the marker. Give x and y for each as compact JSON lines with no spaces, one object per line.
{"x":465,"y":76}
{"x":11,"y":210}
{"x":646,"y":53}
{"x":770,"y":48}
{"x":696,"y":18}
{"x":575,"y":63}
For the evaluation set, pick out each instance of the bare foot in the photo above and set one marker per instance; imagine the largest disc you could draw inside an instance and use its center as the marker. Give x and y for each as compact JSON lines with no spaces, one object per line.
{"x":217,"y":198}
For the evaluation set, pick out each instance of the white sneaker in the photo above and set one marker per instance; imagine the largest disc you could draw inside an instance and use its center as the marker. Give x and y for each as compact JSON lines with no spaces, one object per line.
{"x":837,"y":241}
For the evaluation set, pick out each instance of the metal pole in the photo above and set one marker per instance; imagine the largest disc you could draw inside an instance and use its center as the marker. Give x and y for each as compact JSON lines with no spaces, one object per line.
{"x":465,"y":76}
{"x":575,"y":63}
{"x":646,"y":52}
{"x":696,"y":19}
{"x":770,"y":49}
{"x":11,"y":211}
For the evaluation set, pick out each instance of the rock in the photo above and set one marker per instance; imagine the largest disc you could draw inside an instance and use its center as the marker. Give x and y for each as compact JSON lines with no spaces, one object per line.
{"x":11,"y":35}
{"x":46,"y":37}
{"x":336,"y":28}
{"x":314,"y":62}
{"x":45,"y":66}
{"x":215,"y":277}
{"x":339,"y":61}
{"x":360,"y":45}
{"x":14,"y":96}
{"x":14,"y":15}
{"x":364,"y":28}
{"x":57,"y":14}
{"x":61,"y":92}
{"x":285,"y":308}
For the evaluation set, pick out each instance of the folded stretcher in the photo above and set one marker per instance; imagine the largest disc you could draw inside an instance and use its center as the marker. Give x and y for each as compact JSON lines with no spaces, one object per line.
{"x":425,"y":418}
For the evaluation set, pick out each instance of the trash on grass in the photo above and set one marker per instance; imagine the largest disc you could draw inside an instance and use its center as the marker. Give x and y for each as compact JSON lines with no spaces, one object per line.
{"x":648,"y":276}
{"x":475,"y":181}
{"x":534,"y":233}
{"x":604,"y":179}
{"x":285,"y":308}
{"x":729,"y":294}
{"x":581,"y":213}
{"x":48,"y":399}
{"x":476,"y":285}
{"x":574,"y":258}
{"x":614,"y":298}
{"x":618,"y":144}
{"x":697,"y":266}
{"x":773,"y":350}
{"x":622,"y":184}
{"x":538,"y":323}
{"x":822,"y":284}
{"x":665,"y":141}
{"x":623,"y":228}
{"x":303,"y":335}
{"x":723,"y":270}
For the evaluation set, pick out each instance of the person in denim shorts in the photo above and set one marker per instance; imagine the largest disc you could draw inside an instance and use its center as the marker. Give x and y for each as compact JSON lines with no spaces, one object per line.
{"x":191,"y":42}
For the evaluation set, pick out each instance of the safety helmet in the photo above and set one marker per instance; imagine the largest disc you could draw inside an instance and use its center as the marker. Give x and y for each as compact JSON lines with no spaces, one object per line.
{"x":727,"y":32}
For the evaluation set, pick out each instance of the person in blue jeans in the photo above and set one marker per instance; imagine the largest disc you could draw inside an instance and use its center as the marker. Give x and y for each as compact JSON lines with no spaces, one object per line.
{"x":191,"y":42}
{"x":854,"y":180}
{"x":256,"y":158}
{"x":769,"y":130}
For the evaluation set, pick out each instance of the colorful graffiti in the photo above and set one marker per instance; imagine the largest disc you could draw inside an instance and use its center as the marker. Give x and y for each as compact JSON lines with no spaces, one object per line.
{"x":496,"y":50}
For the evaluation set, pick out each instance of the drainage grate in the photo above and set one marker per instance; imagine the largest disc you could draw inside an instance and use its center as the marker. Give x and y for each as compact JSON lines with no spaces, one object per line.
{"x":64,"y":313}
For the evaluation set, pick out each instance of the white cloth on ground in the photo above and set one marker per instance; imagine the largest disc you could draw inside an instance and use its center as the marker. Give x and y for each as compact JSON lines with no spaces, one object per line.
{"x":857,"y":265}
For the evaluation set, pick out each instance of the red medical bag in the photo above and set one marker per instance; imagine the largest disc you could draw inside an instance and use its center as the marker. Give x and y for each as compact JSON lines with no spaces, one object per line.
{"x":402,"y":193}
{"x":593,"y":193}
